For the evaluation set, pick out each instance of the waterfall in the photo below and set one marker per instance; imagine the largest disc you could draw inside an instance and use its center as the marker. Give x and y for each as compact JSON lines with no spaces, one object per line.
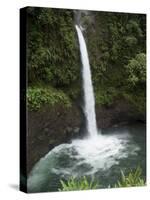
{"x":89,"y":100}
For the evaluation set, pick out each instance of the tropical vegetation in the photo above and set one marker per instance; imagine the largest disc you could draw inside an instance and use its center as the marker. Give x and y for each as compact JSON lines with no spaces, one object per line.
{"x":116,"y":44}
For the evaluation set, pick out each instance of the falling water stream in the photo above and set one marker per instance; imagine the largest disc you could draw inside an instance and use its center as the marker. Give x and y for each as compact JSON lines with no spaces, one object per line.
{"x":89,"y":101}
{"x":100,"y":155}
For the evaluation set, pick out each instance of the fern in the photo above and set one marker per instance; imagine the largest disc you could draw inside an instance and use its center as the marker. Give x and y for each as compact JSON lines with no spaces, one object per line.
{"x":74,"y":184}
{"x":132,"y":179}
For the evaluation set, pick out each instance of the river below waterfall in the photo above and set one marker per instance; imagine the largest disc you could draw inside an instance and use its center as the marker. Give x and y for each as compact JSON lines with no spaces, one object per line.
{"x":100,"y":158}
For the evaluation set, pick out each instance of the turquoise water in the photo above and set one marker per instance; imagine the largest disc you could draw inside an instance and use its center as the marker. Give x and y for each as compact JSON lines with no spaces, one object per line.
{"x":120,"y":148}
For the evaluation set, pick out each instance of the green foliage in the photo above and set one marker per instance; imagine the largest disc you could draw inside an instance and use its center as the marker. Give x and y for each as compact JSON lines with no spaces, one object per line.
{"x":75,"y":184}
{"x":136,"y":70}
{"x":105,"y":96}
{"x":38,"y":96}
{"x":52,"y":54}
{"x":116,"y":44}
{"x":135,"y":91}
{"x":130,"y":41}
{"x":132,"y":179}
{"x":116,"y":38}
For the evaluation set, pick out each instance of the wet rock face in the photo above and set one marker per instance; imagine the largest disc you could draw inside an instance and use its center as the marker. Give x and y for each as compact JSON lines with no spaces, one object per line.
{"x":50,"y":127}
{"x":119,"y":112}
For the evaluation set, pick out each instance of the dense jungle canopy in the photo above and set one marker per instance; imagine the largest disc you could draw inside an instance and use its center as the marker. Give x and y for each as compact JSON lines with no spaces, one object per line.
{"x":116,"y":45}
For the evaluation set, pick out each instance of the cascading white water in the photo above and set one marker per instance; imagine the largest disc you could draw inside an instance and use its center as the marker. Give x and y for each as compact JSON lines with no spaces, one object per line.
{"x":89,"y":100}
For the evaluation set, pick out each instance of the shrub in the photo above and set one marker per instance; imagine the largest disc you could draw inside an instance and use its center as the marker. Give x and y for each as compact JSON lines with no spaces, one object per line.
{"x":38,"y":96}
{"x":75,"y":184}
{"x":136,"y":70}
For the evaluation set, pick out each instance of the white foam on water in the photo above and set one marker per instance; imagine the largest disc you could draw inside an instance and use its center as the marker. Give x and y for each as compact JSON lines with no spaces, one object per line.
{"x":83,"y":157}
